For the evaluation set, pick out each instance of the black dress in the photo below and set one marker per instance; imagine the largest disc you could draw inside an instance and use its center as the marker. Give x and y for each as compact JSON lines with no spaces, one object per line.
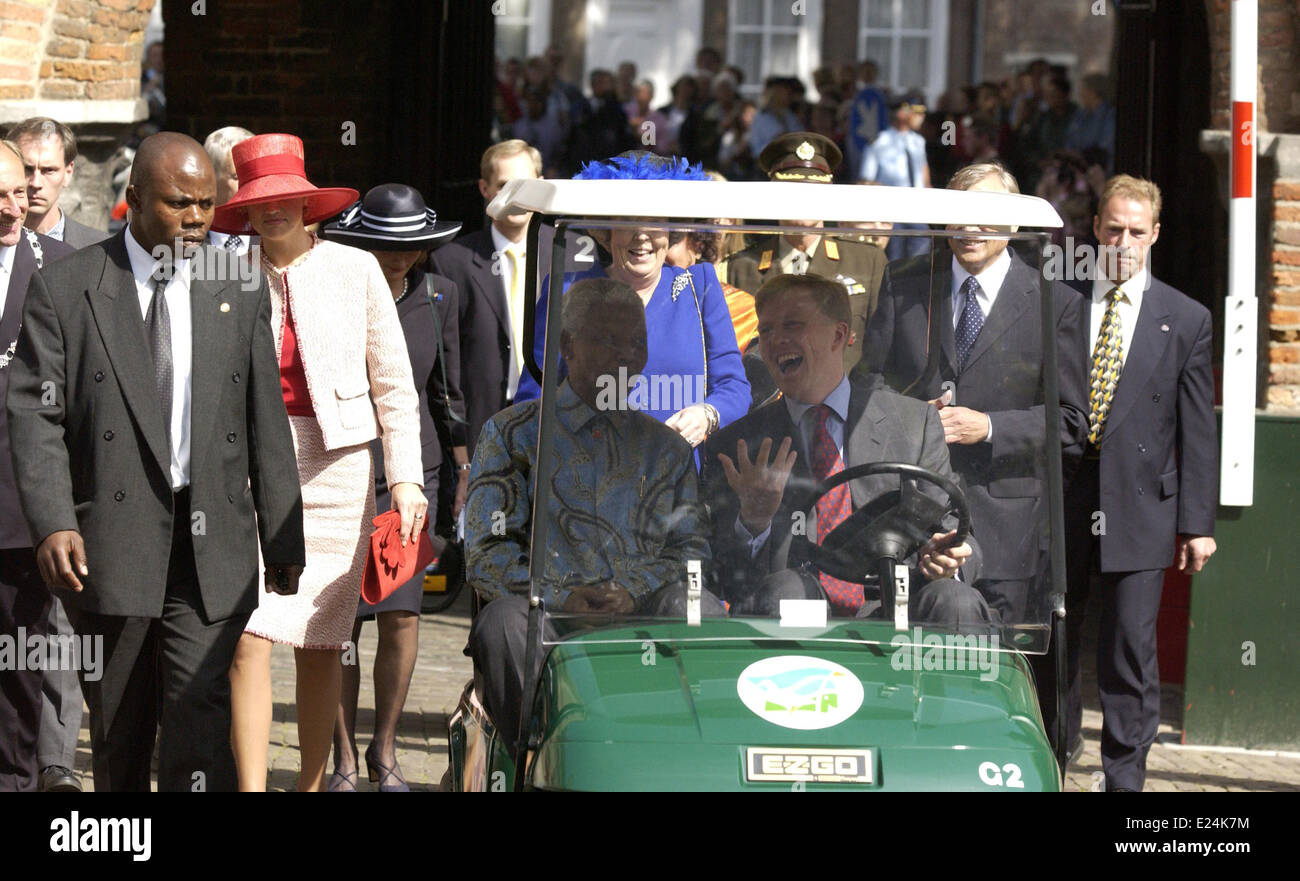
{"x":437,"y":404}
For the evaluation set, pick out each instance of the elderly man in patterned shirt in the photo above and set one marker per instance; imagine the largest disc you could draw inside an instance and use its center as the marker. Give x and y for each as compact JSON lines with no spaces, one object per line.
{"x":623,"y":504}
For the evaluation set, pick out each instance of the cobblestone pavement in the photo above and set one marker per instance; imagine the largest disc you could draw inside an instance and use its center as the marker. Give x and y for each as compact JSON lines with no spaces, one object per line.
{"x":442,"y":671}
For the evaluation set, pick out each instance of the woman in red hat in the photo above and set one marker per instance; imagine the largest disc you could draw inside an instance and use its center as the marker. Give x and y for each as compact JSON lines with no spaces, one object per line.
{"x":346,"y":380}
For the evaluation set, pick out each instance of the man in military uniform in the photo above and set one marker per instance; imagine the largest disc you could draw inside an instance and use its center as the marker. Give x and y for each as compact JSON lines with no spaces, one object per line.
{"x":808,"y":157}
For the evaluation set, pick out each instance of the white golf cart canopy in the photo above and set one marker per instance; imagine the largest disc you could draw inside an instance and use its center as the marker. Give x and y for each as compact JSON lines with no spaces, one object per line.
{"x":765,"y":200}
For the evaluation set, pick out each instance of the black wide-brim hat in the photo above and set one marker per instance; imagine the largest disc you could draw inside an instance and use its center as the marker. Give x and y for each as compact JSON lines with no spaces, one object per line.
{"x":392,"y":217}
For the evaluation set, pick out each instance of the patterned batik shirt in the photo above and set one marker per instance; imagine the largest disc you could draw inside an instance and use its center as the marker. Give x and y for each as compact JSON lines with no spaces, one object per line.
{"x":623,"y":503}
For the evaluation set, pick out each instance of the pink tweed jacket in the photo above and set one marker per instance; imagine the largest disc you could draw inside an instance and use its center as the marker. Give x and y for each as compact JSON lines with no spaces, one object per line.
{"x":353,"y":352}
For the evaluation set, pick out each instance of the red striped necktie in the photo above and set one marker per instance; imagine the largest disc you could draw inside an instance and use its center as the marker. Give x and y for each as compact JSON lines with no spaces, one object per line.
{"x":832,"y":509}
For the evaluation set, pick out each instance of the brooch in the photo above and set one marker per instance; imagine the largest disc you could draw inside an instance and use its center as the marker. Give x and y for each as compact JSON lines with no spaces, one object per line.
{"x":679,"y":284}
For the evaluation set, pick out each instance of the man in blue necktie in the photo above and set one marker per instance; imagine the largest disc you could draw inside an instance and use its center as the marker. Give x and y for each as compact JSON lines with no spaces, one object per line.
{"x":986,"y":378}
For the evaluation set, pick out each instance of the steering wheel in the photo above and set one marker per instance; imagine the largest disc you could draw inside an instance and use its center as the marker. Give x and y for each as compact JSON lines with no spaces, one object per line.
{"x":892,"y":526}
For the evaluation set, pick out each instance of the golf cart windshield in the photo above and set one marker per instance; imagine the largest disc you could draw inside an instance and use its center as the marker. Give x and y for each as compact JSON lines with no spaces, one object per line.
{"x":792,"y":411}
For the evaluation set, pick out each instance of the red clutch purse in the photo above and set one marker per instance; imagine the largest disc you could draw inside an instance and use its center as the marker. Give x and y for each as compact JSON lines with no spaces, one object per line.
{"x":389,"y":565}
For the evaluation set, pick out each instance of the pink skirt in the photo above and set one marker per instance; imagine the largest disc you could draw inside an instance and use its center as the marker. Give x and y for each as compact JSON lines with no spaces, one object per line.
{"x":338,"y":501}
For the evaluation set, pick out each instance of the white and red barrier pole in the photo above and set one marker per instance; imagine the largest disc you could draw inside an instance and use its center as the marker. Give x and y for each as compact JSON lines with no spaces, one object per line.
{"x":1241,"y":308}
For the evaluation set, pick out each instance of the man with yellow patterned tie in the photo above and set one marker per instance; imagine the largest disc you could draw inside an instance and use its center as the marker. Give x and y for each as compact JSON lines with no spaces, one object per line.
{"x":1144,"y":496}
{"x":513,"y":275}
{"x":487,"y":266}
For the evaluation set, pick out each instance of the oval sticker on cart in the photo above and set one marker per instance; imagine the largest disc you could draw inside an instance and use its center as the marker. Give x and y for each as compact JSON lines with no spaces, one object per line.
{"x":796,"y":691}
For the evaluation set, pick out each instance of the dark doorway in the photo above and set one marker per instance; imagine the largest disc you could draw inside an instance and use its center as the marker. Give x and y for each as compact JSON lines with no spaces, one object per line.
{"x":413,"y":83}
{"x":1162,"y":77}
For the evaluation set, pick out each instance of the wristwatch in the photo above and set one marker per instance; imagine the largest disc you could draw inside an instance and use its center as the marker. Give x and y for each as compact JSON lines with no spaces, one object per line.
{"x":464,"y":467}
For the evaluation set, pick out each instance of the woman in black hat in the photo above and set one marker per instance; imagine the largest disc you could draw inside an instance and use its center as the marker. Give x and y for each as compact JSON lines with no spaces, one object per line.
{"x":393,"y":223}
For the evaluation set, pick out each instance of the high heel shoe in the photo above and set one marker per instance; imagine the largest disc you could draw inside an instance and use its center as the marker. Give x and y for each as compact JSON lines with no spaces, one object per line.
{"x":343,"y":782}
{"x":380,"y":772}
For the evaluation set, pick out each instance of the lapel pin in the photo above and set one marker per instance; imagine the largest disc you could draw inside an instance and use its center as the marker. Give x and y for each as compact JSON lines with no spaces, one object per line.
{"x":1164,"y":328}
{"x":225,"y":307}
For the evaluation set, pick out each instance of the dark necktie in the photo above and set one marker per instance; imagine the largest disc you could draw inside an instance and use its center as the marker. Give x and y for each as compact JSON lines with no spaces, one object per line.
{"x":972,"y":319}
{"x":832,"y":509}
{"x":233,"y":243}
{"x":158,"y":321}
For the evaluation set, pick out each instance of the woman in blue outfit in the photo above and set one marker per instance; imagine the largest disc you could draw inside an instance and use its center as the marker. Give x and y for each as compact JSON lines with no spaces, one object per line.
{"x":694,"y":379}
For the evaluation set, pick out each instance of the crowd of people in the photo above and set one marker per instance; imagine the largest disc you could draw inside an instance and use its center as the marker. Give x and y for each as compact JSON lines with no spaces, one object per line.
{"x":1056,"y":136}
{"x":379,"y":363}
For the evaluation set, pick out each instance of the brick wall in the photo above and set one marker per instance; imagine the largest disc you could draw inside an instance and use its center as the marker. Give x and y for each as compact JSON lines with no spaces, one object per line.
{"x":71,"y":49}
{"x":1279,"y":62}
{"x":22,"y":30}
{"x":287,"y":66}
{"x":1284,"y":301}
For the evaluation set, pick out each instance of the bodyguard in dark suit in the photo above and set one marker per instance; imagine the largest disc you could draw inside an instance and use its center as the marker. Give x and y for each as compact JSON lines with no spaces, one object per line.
{"x":990,"y":355}
{"x":24,"y":600}
{"x":148,"y":429}
{"x":823,"y":424}
{"x":1144,"y":495}
{"x":49,"y":151}
{"x":487,"y":268}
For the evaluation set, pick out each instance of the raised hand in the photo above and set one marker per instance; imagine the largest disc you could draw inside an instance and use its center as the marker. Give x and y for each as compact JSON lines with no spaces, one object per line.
{"x":759,"y":485}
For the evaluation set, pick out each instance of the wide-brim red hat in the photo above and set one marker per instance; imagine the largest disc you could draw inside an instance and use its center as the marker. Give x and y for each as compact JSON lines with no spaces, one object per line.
{"x":271,"y":168}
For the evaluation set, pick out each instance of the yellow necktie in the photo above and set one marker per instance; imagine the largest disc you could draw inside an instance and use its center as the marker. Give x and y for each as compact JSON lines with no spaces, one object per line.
{"x":517,"y":306}
{"x":1106,"y":367}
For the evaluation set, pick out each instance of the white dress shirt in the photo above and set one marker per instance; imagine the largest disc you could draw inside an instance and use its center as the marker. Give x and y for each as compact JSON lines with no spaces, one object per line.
{"x":177,"y":294}
{"x":990,"y":282}
{"x":501,"y":244}
{"x":6,"y":273}
{"x":219,"y":239}
{"x":57,"y":232}
{"x":796,"y":262}
{"x":1129,"y":305}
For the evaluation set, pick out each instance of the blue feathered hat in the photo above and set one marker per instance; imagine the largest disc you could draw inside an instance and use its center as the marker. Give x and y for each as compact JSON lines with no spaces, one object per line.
{"x":641,"y":165}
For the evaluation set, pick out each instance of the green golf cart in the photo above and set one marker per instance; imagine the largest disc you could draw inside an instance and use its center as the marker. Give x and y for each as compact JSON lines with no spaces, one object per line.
{"x":795,"y":697}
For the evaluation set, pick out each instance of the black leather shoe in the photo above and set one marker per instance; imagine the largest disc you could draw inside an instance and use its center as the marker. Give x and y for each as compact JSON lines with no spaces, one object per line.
{"x":56,"y":778}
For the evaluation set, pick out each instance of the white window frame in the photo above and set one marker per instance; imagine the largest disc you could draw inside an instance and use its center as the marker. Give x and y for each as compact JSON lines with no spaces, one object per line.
{"x":937,"y":33}
{"x":808,"y":46}
{"x":538,"y":22}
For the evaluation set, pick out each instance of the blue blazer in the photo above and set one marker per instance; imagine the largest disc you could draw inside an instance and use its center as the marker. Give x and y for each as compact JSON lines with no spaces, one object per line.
{"x":686,"y":318}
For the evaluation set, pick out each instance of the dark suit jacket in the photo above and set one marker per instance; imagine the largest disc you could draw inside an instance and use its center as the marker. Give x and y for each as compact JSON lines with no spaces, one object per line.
{"x":78,"y":235}
{"x":863,"y":263}
{"x":13,"y":528}
{"x":90,"y":450}
{"x":1159,"y":449}
{"x":881,"y":427}
{"x":438,"y":400}
{"x":485,"y":349}
{"x":1005,"y":477}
